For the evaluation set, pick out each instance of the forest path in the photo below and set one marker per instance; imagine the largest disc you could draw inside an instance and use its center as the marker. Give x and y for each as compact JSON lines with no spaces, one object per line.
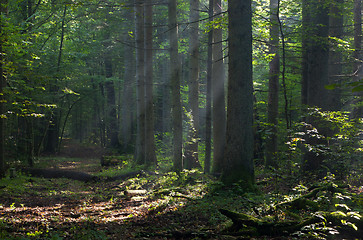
{"x":39,"y":208}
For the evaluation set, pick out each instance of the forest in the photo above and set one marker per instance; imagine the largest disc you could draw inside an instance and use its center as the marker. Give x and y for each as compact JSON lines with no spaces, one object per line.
{"x":171,"y":119}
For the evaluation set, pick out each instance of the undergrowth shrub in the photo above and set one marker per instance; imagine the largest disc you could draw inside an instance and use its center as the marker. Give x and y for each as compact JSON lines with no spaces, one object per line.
{"x":338,"y":140}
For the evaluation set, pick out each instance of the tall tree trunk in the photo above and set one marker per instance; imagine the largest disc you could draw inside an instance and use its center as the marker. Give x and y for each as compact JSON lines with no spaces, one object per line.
{"x":273,"y":86}
{"x":317,"y":75}
{"x":3,"y":11}
{"x":25,"y":139}
{"x":208,"y":121}
{"x":191,"y":151}
{"x":53,"y":129}
{"x":175,"y":72}
{"x":111,"y":114}
{"x":305,"y":51}
{"x":166,"y":96}
{"x":127,"y":96}
{"x":239,"y":135}
{"x":358,"y":60}
{"x":335,"y":54}
{"x":218,"y":95}
{"x":140,"y":88}
{"x":99,"y":129}
{"x":150,"y":155}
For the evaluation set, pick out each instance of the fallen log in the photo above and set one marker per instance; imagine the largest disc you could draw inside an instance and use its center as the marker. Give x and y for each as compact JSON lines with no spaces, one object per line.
{"x":75,"y":175}
{"x":124,"y":176}
{"x":59,"y":173}
{"x":247,"y":225}
{"x":132,"y":193}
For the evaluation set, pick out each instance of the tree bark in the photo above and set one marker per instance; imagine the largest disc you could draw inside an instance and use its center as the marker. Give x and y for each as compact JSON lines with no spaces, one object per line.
{"x":111,"y":115}
{"x":305,"y":51}
{"x":127,"y":92}
{"x":166,"y":96}
{"x":318,"y":73}
{"x":191,"y":151}
{"x":175,"y":72}
{"x":218,"y":95}
{"x":335,"y":55}
{"x":273,"y":87}
{"x":358,"y":64}
{"x":239,"y":135}
{"x":150,"y":155}
{"x":208,"y":121}
{"x":3,"y":12}
{"x":140,"y":81}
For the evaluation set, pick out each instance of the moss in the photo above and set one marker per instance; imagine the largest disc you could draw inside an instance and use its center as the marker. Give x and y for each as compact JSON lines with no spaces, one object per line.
{"x":240,"y":175}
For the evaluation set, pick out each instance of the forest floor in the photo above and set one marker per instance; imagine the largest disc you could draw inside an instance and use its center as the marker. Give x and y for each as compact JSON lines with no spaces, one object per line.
{"x":70,"y":209}
{"x":146,"y":206}
{"x":47,"y":208}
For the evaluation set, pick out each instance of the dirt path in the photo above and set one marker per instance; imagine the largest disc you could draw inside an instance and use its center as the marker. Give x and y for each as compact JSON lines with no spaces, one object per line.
{"x":41,"y":208}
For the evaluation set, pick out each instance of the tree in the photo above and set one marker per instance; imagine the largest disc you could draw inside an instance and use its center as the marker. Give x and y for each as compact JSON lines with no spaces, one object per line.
{"x":127,"y":96}
{"x":52,"y":141}
{"x":3,"y":11}
{"x":239,"y":134}
{"x":175,"y":87}
{"x":317,"y":76}
{"x":191,"y":151}
{"x":25,"y":136}
{"x":208,"y":121}
{"x":273,"y":86}
{"x":150,"y":156}
{"x":305,"y":42}
{"x":111,"y":115}
{"x":140,"y":78}
{"x":335,"y":54}
{"x":218,"y":96}
{"x":358,"y":65}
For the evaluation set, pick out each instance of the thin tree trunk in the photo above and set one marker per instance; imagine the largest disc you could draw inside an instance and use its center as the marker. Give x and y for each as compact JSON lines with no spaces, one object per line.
{"x":53,"y":129}
{"x":218,"y":96}
{"x":166,"y":96}
{"x":127,"y":96}
{"x":140,"y":88}
{"x":208,"y":121}
{"x":150,"y":155}
{"x":3,"y":12}
{"x":191,"y":151}
{"x":335,"y":55}
{"x":358,"y":65}
{"x":175,"y":87}
{"x":29,"y":141}
{"x":239,"y":135}
{"x":273,"y":87}
{"x":111,"y":123}
{"x":283,"y":72}
{"x":305,"y":51}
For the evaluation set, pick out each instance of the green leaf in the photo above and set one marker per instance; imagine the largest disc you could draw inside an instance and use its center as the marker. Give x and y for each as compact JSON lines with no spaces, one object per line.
{"x":359,"y":88}
{"x":331,"y":86}
{"x":70,"y":91}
